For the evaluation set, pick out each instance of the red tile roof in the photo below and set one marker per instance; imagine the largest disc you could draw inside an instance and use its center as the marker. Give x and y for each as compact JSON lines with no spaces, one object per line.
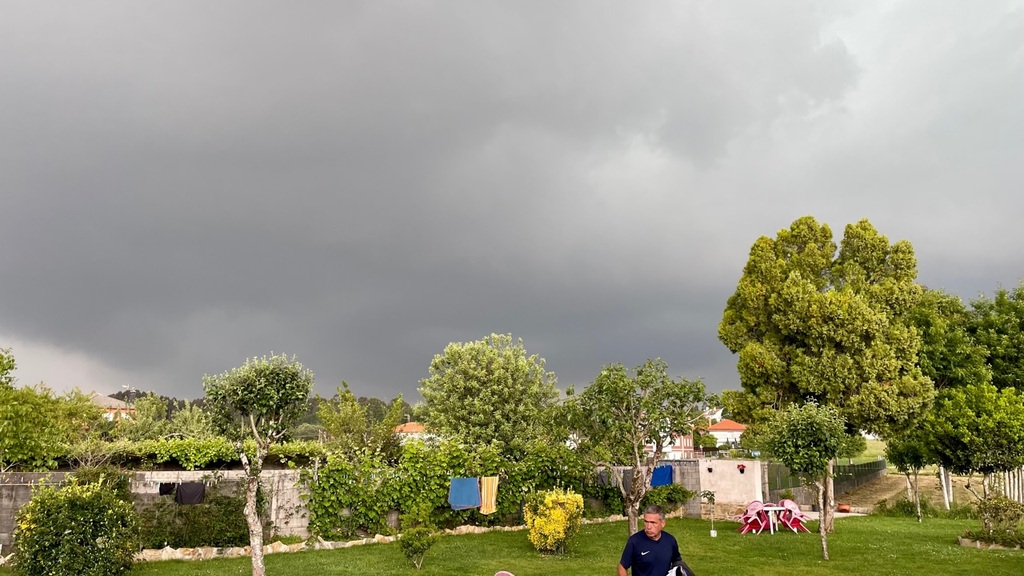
{"x":726,"y":425}
{"x":409,"y":428}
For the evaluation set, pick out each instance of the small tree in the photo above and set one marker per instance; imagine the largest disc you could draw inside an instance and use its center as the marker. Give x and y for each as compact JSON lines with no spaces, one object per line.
{"x":909,"y":454}
{"x":617,"y":417}
{"x":806,"y":438}
{"x":267,"y":394}
{"x":709,"y":497}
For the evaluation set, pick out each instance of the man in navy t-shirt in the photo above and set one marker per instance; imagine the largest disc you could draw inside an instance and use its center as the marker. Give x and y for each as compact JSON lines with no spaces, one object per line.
{"x":651,"y":552}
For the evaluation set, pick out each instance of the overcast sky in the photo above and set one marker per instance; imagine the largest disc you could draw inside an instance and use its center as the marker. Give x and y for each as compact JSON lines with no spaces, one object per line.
{"x":185,"y":185}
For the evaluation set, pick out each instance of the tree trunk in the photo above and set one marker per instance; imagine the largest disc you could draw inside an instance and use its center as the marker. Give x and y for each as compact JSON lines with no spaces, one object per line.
{"x":910,"y":489}
{"x":945,"y":491}
{"x":917,"y":496}
{"x":821,"y":520}
{"x":252,"y":513}
{"x":634,"y":496}
{"x":827,"y":511}
{"x":765,"y":487}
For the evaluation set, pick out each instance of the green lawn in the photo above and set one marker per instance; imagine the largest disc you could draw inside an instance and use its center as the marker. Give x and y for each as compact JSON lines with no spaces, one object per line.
{"x":874,"y":546}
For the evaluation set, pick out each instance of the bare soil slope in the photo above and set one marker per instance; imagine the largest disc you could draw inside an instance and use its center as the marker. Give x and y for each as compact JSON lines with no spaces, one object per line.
{"x":893,"y":487}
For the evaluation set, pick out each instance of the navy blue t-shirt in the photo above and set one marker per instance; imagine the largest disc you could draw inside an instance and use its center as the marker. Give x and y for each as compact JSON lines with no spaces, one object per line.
{"x":650,"y":557}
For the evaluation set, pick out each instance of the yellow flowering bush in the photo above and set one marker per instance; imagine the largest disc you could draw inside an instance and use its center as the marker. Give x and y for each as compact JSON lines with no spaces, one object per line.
{"x":553,"y":517}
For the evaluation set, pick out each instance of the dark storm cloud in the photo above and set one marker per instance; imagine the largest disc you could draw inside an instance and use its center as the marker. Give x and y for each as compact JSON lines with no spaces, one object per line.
{"x":189,"y":184}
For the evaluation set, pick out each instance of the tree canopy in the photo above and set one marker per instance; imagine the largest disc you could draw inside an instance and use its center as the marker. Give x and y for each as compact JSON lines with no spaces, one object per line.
{"x":811,"y":324}
{"x":998,"y":325}
{"x":488,"y":392}
{"x":949,"y":356}
{"x":977,"y":429}
{"x":806,"y":438}
{"x":618,"y":415}
{"x":267,"y":394}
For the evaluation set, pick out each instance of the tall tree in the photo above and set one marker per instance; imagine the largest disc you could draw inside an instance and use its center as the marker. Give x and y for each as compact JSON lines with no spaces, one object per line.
{"x":807,"y":438}
{"x":488,"y":392}
{"x":977,"y":429}
{"x":617,"y":417}
{"x":810,"y":324}
{"x":998,"y":325}
{"x":268,"y":394}
{"x":950,"y":356}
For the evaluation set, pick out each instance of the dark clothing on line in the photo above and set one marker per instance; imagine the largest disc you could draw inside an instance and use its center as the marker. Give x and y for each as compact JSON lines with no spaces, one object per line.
{"x":190,"y":493}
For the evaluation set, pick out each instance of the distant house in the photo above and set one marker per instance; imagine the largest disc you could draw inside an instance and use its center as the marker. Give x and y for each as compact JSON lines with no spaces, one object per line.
{"x":412,"y":430}
{"x":727,"y":432}
{"x":681,"y":448}
{"x":113,"y":409}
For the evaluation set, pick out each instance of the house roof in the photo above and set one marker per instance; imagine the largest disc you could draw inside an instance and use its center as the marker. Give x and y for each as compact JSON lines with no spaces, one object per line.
{"x":107,"y":402}
{"x":726,"y":425}
{"x":410,"y":428}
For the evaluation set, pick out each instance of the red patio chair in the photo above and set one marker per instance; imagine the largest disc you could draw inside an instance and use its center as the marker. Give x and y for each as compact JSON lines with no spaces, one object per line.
{"x":754,"y":518}
{"x":792,"y":517}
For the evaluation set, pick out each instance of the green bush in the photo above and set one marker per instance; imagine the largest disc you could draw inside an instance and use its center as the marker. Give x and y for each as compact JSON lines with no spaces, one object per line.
{"x":80,"y":529}
{"x":415,"y":542}
{"x":111,"y":477}
{"x":1000,"y":514}
{"x":219,"y":521}
{"x":670,"y":497}
{"x":553,"y":517}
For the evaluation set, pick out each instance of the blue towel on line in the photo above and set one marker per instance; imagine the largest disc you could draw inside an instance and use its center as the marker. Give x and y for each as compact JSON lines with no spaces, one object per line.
{"x":662,"y":476}
{"x":464,"y":493}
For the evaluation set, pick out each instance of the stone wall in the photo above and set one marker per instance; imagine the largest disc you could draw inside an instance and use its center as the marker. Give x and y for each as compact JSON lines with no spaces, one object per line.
{"x":288,"y":513}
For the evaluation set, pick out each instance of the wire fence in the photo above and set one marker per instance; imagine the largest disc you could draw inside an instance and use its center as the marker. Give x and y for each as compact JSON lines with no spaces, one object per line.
{"x":846,"y":476}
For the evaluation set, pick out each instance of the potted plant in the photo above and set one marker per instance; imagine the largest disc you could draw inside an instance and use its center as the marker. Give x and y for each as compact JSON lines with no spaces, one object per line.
{"x":709,"y":496}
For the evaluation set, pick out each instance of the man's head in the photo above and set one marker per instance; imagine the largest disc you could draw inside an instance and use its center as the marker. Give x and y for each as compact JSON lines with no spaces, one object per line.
{"x":654,"y":521}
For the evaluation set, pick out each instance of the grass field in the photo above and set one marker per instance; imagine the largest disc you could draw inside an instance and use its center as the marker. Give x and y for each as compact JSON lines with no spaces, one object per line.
{"x":861,"y":546}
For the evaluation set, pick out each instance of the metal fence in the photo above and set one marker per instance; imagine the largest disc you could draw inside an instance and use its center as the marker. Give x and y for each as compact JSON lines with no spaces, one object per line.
{"x":847,"y":477}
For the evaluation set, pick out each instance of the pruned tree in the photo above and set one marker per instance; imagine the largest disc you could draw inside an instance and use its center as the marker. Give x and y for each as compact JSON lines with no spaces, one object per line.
{"x":267,"y":394}
{"x":813,"y":324}
{"x":488,"y":392}
{"x":627,"y":420}
{"x":806,"y":438}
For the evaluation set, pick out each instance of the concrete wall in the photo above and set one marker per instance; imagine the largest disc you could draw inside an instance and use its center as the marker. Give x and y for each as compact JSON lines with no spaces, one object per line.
{"x":287,"y":510}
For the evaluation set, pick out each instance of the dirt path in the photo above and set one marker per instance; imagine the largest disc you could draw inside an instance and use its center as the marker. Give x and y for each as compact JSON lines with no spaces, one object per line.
{"x":893,"y":487}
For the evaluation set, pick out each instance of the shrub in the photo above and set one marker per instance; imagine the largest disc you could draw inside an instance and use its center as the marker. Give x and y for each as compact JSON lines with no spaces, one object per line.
{"x":418,"y":535}
{"x":415,"y":542}
{"x":81,"y":529}
{"x":110,"y":477}
{"x":1000,"y":514}
{"x":670,"y":497}
{"x":553,"y":517}
{"x":219,"y":521}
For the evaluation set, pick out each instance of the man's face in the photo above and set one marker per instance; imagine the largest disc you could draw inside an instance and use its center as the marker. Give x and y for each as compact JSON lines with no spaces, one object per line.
{"x":653,"y":524}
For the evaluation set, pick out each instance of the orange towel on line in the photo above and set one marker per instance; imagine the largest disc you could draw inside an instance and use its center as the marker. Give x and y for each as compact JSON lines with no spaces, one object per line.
{"x":488,"y":494}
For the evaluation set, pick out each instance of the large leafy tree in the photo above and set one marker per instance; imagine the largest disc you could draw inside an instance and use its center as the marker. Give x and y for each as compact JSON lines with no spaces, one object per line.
{"x":267,"y":394}
{"x":998,"y":325}
{"x":617,"y":417}
{"x":813,"y":322}
{"x":806,"y":438}
{"x":489,"y":392}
